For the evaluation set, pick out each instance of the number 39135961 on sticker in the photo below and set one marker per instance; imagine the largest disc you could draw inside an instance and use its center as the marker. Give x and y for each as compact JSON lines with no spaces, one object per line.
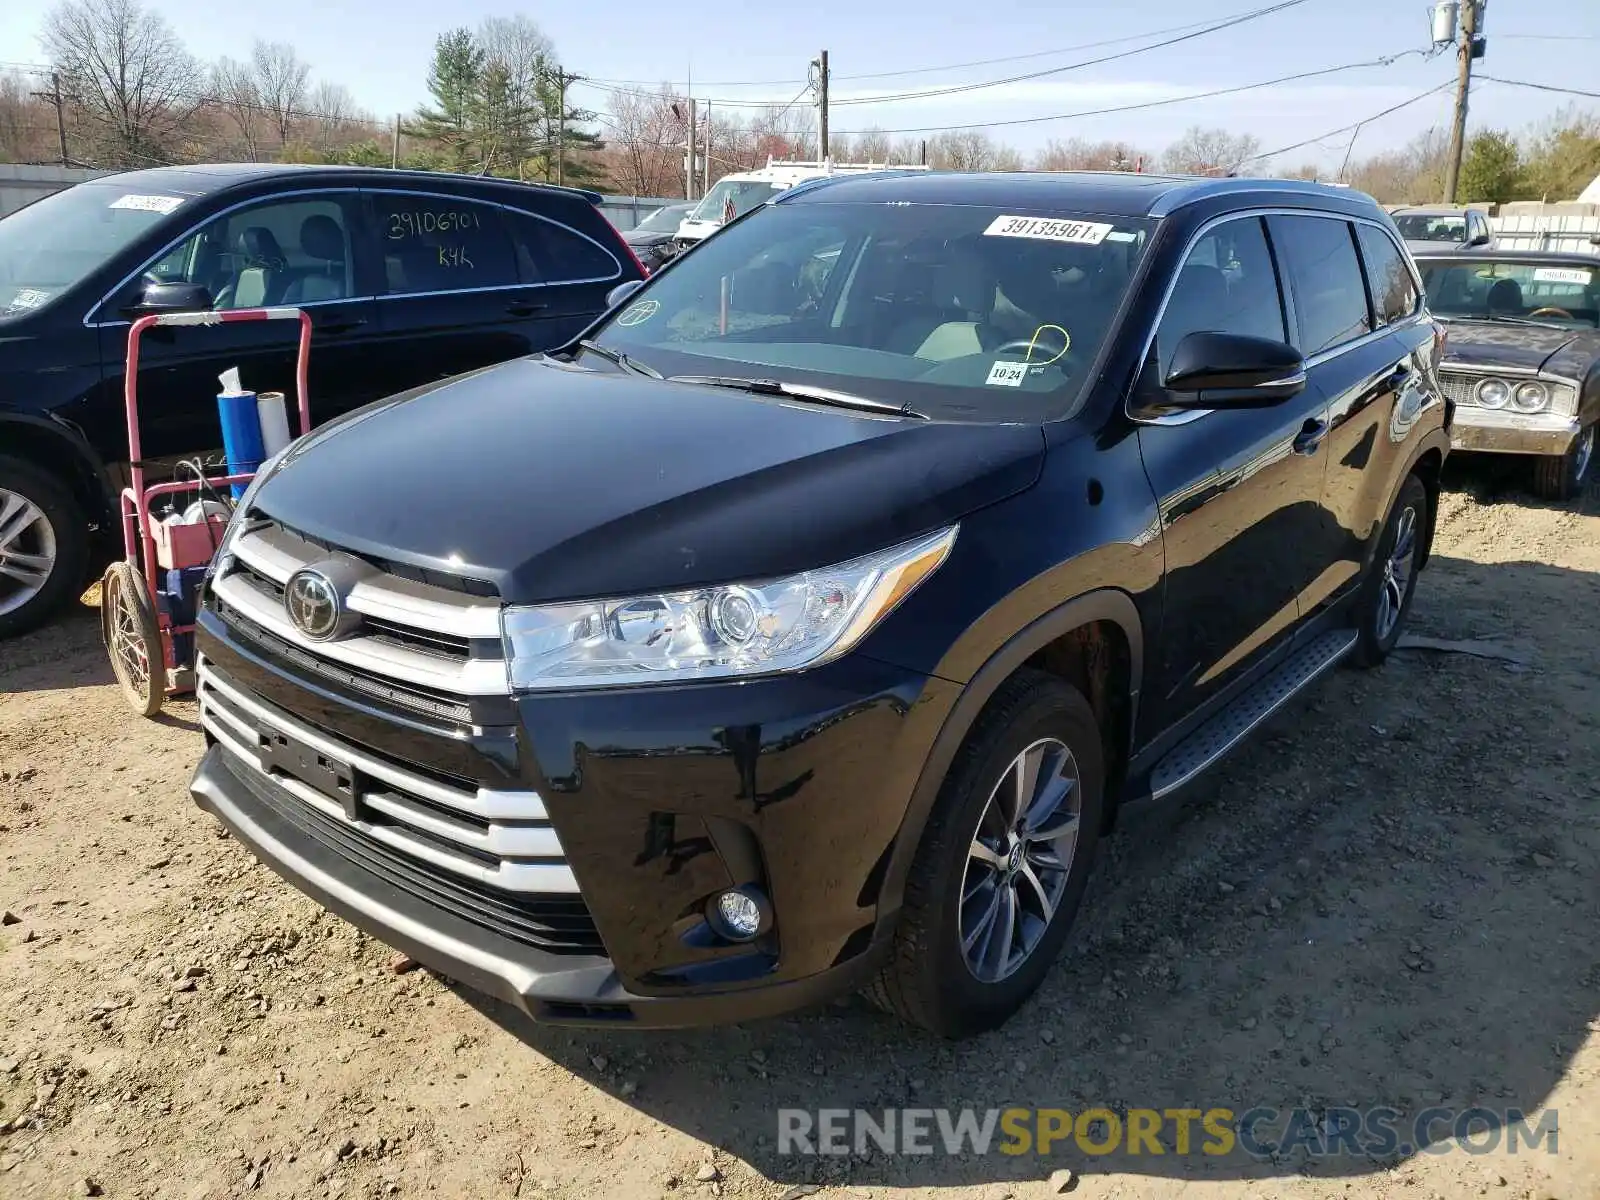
{"x":1049,"y":229}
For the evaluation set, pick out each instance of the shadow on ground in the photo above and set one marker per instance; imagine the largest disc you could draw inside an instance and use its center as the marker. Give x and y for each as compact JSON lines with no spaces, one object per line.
{"x":1383,"y":900}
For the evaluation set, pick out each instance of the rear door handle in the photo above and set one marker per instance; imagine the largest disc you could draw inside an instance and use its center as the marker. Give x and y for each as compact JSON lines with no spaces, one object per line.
{"x":526,"y":308}
{"x":1310,"y":436}
{"x":339,"y":324}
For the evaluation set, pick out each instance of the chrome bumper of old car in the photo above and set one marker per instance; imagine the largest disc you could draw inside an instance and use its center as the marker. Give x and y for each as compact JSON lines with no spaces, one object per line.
{"x":1497,"y":431}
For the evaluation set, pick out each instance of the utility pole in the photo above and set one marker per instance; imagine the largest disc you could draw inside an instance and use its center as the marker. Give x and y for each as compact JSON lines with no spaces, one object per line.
{"x":394,"y":148}
{"x":1468,"y":47}
{"x":563,"y":79}
{"x":53,"y":96}
{"x":820,"y":63}
{"x":689,"y":160}
{"x":705,"y":153}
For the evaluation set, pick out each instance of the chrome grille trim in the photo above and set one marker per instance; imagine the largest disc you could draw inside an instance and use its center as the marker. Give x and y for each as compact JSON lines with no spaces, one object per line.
{"x":511,"y":826}
{"x":380,"y":657}
{"x":1459,"y":387}
{"x":278,"y":553}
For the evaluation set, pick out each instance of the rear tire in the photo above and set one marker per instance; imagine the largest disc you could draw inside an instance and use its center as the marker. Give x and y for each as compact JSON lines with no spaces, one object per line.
{"x":995,"y":832}
{"x":1562,"y":477}
{"x":44,"y":546}
{"x":1384,"y":602}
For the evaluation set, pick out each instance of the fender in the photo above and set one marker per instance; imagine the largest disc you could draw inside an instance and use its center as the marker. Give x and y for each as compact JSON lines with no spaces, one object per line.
{"x":65,"y":445}
{"x":1105,"y":604}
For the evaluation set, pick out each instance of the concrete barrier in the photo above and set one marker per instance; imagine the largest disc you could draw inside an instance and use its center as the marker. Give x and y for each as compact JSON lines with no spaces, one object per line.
{"x":20,"y":185}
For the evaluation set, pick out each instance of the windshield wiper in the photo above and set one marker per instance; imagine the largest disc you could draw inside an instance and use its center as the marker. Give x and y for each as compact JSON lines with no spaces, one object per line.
{"x":1508,"y":319}
{"x":800,"y":391}
{"x":621,"y":359}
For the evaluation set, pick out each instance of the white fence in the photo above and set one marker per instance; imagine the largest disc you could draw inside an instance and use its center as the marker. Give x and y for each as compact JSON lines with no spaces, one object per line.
{"x":1529,"y":226}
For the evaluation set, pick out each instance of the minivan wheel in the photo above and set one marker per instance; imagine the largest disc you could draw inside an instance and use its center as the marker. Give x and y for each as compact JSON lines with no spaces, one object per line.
{"x":1000,"y":871}
{"x":44,"y":546}
{"x":1384,"y":602}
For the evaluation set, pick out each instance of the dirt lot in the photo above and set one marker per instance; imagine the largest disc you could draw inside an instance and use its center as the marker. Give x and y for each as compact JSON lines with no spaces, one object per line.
{"x":1388,"y":899}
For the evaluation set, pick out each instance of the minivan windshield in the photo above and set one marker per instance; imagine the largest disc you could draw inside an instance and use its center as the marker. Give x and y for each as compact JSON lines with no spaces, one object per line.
{"x":745,"y":194}
{"x":54,"y":243}
{"x":1420,"y":227}
{"x":961,"y":311}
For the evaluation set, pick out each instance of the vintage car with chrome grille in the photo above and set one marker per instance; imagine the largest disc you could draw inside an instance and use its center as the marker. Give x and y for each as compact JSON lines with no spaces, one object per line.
{"x":1522,"y":361}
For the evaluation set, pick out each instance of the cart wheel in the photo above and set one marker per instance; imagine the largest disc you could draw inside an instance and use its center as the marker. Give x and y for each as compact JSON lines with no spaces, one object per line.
{"x":132,"y":639}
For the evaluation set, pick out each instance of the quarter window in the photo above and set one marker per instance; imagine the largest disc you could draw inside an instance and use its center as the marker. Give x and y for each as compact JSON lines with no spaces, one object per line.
{"x":1394,"y":291}
{"x":1226,"y":285}
{"x":1330,"y":296}
{"x":551,"y":253}
{"x":440,"y":244}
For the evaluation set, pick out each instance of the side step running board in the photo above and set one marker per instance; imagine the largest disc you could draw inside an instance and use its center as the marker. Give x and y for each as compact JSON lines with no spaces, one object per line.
{"x":1230,"y":727}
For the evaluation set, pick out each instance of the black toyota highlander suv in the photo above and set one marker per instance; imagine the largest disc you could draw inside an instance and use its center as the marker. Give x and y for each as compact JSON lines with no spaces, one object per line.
{"x":803,"y":627}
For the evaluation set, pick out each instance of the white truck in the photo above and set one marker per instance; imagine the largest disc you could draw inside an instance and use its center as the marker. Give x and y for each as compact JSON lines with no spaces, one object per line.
{"x":736,"y":194}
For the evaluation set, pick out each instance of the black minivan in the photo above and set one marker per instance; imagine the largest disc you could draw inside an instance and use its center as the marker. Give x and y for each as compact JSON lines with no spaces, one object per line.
{"x":410,"y":277}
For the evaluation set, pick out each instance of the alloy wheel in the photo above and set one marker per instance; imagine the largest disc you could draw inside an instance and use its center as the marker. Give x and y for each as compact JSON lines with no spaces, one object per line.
{"x":1397,"y":571}
{"x":27,"y":550}
{"x":1019,"y":860}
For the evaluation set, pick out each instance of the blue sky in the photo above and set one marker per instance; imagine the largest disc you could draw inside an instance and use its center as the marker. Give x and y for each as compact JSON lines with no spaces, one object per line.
{"x":380,"y":49}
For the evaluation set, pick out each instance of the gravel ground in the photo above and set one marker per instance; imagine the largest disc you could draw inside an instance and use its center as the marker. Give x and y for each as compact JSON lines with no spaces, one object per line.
{"x":1387,"y":899}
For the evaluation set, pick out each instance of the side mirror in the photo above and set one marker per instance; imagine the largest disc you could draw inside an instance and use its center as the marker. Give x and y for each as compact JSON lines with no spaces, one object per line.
{"x":1482,"y":239}
{"x":172,"y":297}
{"x":622,"y":291}
{"x":1231,"y":370}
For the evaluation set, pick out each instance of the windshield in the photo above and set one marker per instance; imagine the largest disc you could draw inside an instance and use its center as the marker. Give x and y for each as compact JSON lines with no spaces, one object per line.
{"x":1555,"y":293}
{"x":53,"y":243}
{"x":664,"y":220}
{"x":746,"y":194}
{"x":1419,"y":227}
{"x":959,"y":311}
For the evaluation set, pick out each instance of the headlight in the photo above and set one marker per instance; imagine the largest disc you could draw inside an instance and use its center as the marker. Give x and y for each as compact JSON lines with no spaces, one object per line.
{"x":1530,"y":397}
{"x":732,"y":631}
{"x":1492,"y":393}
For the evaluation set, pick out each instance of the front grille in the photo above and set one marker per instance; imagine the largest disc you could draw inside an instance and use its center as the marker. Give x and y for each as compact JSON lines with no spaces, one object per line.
{"x":1459,"y":387}
{"x":502,"y":839}
{"x":559,"y":924}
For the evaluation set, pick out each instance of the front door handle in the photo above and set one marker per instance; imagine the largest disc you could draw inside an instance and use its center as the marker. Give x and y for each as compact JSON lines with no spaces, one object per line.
{"x":1310,"y":436}
{"x":526,"y":308}
{"x":338,"y":324}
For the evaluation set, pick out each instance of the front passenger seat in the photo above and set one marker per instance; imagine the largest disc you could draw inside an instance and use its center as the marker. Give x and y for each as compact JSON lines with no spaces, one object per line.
{"x":322,"y":239}
{"x":260,"y":278}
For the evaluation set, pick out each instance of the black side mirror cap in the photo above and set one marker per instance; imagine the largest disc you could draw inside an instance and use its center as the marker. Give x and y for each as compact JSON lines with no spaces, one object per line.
{"x":1483,"y":239}
{"x":172,"y":298}
{"x":1232,"y":370}
{"x":622,"y":291}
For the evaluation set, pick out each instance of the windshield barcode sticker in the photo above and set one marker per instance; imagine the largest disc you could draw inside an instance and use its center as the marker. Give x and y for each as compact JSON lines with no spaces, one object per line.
{"x":1007,"y":374}
{"x":155,"y":204}
{"x":1575,"y":275}
{"x":1050,"y":229}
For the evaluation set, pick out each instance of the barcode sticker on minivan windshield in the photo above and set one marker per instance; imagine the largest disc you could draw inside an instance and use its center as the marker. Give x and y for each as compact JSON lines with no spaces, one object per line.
{"x":155,"y":204}
{"x":1575,"y":275}
{"x":1050,"y":229}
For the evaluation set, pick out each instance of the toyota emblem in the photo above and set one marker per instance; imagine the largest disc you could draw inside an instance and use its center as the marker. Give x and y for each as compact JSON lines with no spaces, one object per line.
{"x":312,"y":603}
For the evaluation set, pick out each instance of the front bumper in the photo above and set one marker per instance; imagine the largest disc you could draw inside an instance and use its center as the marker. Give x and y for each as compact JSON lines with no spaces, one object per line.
{"x":1496,"y":431}
{"x":550,"y":988}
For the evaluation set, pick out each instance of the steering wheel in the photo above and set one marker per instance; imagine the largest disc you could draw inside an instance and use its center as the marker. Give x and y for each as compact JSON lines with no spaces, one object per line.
{"x":1552,"y":311}
{"x":1048,"y":347}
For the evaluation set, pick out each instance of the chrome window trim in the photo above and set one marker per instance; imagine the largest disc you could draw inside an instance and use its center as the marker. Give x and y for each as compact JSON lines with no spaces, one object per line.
{"x":191,"y":230}
{"x":1185,"y":416}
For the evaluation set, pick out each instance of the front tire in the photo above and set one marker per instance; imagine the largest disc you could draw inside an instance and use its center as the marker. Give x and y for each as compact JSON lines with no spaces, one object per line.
{"x":1003,"y":862}
{"x":1384,"y":602}
{"x":44,"y":546}
{"x":1562,"y":476}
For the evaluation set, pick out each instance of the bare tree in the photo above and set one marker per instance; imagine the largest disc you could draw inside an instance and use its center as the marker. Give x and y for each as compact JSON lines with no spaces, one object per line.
{"x":127,"y":74}
{"x":646,"y":131}
{"x":873,"y":146}
{"x":1077,"y":154}
{"x":281,"y":82}
{"x":27,"y":124}
{"x":1209,"y":152}
{"x":233,"y":88}
{"x":962,"y":150}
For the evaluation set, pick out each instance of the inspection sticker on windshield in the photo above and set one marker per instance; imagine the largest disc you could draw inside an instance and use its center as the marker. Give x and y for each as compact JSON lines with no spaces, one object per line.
{"x":1049,"y":229}
{"x":1007,"y":374}
{"x":28,"y":298}
{"x":155,"y":204}
{"x":1575,"y":275}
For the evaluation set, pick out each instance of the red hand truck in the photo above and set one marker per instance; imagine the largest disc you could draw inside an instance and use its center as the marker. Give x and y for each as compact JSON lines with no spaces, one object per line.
{"x":141,"y":629}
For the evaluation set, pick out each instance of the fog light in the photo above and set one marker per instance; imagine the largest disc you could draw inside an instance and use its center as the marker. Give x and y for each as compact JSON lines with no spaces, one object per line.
{"x":740,"y":914}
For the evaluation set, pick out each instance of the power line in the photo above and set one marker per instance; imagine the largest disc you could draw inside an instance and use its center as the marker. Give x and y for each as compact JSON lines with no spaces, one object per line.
{"x":1322,"y":137}
{"x":1143,"y":104}
{"x":1253,"y":15}
{"x":1543,"y":87}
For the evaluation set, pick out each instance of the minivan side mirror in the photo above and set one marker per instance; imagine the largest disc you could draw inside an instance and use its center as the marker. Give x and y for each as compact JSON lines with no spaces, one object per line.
{"x":171,"y":298}
{"x":1482,"y":239}
{"x":1232,"y":370}
{"x":622,"y":291}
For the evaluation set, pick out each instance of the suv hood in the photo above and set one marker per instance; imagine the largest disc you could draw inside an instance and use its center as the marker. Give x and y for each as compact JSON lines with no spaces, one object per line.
{"x":553,"y":482}
{"x":1486,"y":345}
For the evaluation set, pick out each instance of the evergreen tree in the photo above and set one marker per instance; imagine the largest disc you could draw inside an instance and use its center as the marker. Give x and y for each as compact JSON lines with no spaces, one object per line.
{"x":455,"y":81}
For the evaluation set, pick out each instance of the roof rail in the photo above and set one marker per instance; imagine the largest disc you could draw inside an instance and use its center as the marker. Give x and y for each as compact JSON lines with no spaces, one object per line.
{"x":828,"y":164}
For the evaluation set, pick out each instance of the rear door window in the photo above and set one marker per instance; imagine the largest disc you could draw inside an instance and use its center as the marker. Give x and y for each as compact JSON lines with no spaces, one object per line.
{"x":441,"y":244}
{"x":550,"y":252}
{"x":1394,"y":291}
{"x":1330,"y":295}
